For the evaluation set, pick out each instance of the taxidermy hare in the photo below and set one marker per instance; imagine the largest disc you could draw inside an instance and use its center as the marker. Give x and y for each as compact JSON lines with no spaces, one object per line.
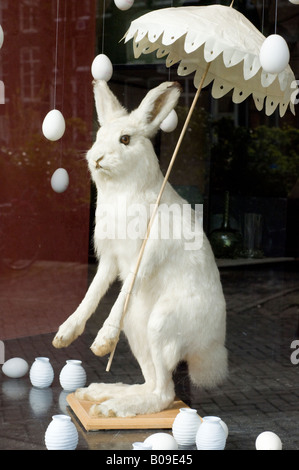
{"x":177,"y":309}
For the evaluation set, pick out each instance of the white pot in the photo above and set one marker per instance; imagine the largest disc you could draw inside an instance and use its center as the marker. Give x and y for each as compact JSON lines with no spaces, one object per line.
{"x":72,"y":375}
{"x":211,"y":434}
{"x":61,"y":434}
{"x":185,"y":427}
{"x":41,"y":372}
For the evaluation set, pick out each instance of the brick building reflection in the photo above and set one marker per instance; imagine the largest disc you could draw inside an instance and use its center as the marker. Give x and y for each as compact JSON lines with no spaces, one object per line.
{"x":27,"y":69}
{"x":44,"y":236}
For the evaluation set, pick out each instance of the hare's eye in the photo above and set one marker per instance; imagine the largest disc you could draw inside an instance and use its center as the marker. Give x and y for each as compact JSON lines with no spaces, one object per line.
{"x":125,"y":139}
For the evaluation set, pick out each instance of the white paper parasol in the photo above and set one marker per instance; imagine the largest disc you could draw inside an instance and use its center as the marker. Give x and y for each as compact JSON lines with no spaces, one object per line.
{"x":221,"y":46}
{"x":222,"y":37}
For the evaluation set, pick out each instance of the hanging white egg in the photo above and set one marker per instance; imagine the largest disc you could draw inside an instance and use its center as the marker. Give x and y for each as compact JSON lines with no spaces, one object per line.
{"x":274,"y":54}
{"x":102,"y":68}
{"x":124,"y":4}
{"x":15,"y":368}
{"x":296,"y":2}
{"x":268,"y":440}
{"x":161,"y":441}
{"x":60,"y":180}
{"x":1,"y":36}
{"x":170,"y":122}
{"x":53,"y":125}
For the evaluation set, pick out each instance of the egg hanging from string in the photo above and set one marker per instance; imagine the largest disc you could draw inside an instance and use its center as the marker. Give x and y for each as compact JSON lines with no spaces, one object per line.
{"x":1,"y":36}
{"x":170,"y":122}
{"x":60,"y":180}
{"x":102,"y":68}
{"x":53,"y":125}
{"x":274,"y":54}
{"x":124,"y":4}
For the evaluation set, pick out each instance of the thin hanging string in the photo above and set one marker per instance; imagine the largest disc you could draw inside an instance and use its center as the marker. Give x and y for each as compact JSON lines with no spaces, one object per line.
{"x":63,"y":73}
{"x":263,"y":16}
{"x":171,"y":4}
{"x":275,"y":26}
{"x":103,"y":27}
{"x":56,"y":55}
{"x":63,"y":59}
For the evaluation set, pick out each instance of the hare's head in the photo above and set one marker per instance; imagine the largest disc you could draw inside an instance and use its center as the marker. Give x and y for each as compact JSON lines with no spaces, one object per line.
{"x":123,"y":150}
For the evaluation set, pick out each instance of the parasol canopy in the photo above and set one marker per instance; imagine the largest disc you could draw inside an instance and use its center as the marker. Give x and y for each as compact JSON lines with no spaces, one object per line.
{"x":221,"y":37}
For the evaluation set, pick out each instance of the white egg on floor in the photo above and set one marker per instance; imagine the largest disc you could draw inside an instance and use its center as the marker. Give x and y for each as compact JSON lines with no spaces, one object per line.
{"x":161,"y":441}
{"x":60,"y":180}
{"x":102,"y":68}
{"x":268,"y":440}
{"x":53,"y":125}
{"x":15,"y":368}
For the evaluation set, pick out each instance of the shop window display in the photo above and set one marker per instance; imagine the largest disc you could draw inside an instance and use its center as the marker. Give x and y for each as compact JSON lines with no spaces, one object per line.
{"x":57,"y":227}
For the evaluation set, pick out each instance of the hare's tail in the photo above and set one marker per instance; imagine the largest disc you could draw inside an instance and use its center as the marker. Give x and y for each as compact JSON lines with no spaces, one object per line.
{"x":209,"y":368}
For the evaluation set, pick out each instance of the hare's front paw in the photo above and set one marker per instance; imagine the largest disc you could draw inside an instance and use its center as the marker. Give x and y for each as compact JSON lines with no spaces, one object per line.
{"x":105,"y":341}
{"x":67,"y":333}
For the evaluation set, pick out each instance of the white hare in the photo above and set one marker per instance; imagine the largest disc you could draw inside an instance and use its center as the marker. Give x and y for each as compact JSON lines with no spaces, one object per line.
{"x":177,"y":309}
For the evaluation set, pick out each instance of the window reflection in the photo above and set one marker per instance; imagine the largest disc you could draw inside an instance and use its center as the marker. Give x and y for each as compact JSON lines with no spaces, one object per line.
{"x":29,"y":71}
{"x":42,"y":232}
{"x":29,"y":10}
{"x":44,"y":236}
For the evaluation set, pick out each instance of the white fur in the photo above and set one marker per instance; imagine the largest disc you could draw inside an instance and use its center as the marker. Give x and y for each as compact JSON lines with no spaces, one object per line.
{"x":177,"y":308}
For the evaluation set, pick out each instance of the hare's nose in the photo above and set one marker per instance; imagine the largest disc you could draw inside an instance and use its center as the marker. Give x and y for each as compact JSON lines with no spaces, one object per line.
{"x":97,"y":163}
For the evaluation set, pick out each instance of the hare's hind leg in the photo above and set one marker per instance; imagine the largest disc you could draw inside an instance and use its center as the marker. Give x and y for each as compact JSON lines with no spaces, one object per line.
{"x":137,"y":336}
{"x":157,"y":355}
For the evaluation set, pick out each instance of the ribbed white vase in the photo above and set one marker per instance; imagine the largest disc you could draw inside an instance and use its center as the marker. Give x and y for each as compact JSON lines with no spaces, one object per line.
{"x":72,"y":375}
{"x":41,"y":372}
{"x":61,"y":434}
{"x":211,"y":435}
{"x":185,"y":427}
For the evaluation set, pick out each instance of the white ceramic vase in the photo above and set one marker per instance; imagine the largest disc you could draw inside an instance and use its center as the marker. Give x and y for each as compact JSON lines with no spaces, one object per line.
{"x":61,"y":434}
{"x":211,"y":435}
{"x":41,"y":373}
{"x":185,"y":427}
{"x":72,"y":375}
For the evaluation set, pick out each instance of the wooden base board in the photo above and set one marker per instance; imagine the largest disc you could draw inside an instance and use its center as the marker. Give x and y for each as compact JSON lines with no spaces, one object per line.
{"x":162,"y":420}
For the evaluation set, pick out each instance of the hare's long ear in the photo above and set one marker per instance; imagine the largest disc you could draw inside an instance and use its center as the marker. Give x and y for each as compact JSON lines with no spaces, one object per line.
{"x":156,"y":106}
{"x":107,"y":105}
